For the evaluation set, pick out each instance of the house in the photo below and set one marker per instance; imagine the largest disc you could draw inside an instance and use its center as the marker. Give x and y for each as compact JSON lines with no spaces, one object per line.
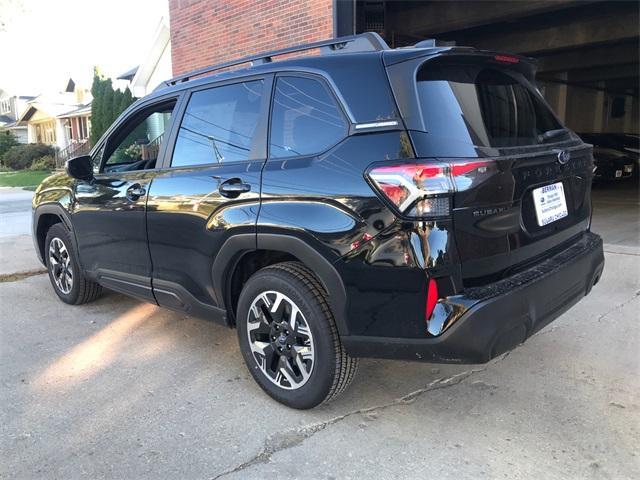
{"x":61,"y":119}
{"x":77,"y":126}
{"x":155,"y":66}
{"x":11,"y":108}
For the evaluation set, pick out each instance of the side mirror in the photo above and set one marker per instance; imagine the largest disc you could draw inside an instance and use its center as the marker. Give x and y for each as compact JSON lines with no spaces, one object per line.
{"x":80,"y":168}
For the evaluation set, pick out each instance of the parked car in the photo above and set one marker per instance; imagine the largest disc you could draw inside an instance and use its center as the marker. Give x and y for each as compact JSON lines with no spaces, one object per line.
{"x":419,"y":204}
{"x":616,"y":155}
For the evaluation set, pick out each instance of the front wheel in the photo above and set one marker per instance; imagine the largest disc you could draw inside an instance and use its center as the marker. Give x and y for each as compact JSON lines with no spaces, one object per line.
{"x":289,"y":339}
{"x":65,"y":274}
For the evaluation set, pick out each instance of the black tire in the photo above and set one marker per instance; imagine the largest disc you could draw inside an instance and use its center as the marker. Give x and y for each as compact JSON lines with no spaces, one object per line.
{"x":332,"y":369}
{"x":81,"y":289}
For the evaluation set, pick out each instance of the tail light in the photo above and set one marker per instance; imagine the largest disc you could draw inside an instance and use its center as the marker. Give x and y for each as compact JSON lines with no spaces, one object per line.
{"x":424,"y":190}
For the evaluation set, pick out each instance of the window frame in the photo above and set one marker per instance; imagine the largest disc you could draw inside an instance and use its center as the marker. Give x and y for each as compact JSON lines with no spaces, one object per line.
{"x":332,"y":93}
{"x":259,"y":144}
{"x":5,"y":106}
{"x":133,"y":114}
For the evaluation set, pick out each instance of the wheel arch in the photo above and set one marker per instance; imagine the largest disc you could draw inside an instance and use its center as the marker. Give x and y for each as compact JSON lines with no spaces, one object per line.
{"x":267,"y":249}
{"x":44,"y":217}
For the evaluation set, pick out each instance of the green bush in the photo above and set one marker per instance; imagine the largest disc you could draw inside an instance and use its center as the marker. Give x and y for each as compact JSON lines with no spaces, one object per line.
{"x":21,"y":157}
{"x":44,"y":163}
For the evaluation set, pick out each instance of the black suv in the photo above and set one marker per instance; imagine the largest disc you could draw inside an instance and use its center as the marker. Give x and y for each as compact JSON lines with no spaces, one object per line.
{"x":615,"y":154}
{"x":420,"y":204}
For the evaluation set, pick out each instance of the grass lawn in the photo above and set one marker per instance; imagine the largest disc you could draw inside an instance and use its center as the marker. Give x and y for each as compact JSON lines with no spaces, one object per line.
{"x":23,"y":178}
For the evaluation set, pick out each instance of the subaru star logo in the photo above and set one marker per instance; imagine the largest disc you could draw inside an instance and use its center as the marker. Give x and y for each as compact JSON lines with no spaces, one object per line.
{"x":563,"y":157}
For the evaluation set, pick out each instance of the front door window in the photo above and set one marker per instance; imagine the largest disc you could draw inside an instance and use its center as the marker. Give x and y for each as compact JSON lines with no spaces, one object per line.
{"x":137,"y":145}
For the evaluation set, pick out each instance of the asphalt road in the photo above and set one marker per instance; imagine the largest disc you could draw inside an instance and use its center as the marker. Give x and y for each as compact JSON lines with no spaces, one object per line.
{"x":123,"y":389}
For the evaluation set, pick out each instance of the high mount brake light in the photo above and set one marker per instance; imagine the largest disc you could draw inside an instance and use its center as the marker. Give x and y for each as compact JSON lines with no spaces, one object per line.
{"x":422,"y":190}
{"x":506,"y":59}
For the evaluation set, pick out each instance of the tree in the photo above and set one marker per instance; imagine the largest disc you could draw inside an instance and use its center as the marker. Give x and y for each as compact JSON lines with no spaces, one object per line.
{"x":7,"y":140}
{"x":97,"y":128}
{"x":107,"y":104}
{"x":125,"y":100}
{"x":108,"y":115}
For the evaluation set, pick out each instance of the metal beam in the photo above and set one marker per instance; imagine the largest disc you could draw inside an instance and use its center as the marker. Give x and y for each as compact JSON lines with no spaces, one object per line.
{"x":610,"y":25}
{"x":606,"y":89}
{"x":597,"y":74}
{"x":605,"y":56}
{"x":432,"y":18}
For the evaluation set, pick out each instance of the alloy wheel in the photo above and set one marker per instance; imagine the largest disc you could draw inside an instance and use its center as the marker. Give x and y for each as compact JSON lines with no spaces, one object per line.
{"x":280,"y":340}
{"x":60,"y":265}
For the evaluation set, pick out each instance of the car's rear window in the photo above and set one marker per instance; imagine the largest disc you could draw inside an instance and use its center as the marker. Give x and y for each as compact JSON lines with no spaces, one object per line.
{"x":482,"y":105}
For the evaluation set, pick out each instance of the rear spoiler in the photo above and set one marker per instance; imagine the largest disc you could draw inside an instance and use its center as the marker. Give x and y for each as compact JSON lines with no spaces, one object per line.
{"x":525,"y":65}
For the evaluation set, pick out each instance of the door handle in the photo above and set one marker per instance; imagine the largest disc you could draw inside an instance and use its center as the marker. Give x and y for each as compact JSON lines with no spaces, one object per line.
{"x":233,"y":188}
{"x":135,"y":191}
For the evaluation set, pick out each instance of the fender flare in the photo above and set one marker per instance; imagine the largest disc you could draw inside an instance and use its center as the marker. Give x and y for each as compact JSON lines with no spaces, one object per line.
{"x":51,"y":209}
{"x":235,"y":247}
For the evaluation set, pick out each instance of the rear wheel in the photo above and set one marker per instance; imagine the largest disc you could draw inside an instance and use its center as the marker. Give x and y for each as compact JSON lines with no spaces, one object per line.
{"x":289,"y":339}
{"x":66,"y":277}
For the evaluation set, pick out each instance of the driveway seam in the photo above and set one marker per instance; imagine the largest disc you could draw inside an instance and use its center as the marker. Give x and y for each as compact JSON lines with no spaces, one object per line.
{"x":14,"y":277}
{"x":295,"y":437}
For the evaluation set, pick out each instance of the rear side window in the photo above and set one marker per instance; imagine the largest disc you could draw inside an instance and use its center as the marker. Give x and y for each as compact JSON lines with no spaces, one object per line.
{"x":219,"y":124}
{"x":481,"y":105}
{"x":305,"y":118}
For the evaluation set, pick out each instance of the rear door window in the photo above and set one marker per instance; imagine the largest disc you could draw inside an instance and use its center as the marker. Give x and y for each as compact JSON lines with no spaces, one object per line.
{"x":219,"y":125}
{"x":481,"y":105}
{"x":305,"y":118}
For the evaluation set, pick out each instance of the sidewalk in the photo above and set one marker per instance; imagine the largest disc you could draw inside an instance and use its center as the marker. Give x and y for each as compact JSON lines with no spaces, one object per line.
{"x":17,"y":253}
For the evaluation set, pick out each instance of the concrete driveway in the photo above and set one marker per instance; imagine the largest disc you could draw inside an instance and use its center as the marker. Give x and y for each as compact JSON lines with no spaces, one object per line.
{"x":123,"y":389}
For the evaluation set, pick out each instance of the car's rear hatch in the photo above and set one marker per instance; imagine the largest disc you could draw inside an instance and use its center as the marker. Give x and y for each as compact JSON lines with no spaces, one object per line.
{"x":530,"y":194}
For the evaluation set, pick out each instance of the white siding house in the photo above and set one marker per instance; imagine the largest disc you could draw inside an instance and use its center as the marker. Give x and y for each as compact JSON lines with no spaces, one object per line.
{"x":49,"y":117}
{"x":155,"y":66}
{"x":11,"y":109}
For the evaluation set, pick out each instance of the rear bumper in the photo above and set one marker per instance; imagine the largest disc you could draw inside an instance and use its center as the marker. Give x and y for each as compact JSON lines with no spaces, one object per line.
{"x":607,"y":170}
{"x":496,"y":318}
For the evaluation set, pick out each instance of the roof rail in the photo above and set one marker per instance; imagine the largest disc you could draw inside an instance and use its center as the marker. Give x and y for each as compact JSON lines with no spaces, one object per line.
{"x":364,"y":42}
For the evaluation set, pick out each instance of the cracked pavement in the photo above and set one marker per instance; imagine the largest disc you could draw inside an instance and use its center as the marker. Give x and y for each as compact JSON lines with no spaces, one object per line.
{"x":123,"y":389}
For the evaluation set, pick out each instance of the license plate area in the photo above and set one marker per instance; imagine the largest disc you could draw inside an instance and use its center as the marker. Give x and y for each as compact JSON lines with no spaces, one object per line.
{"x":550,"y":203}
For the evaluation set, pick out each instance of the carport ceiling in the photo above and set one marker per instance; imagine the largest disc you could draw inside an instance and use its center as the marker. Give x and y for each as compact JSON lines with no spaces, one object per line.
{"x":586,"y":43}
{"x":524,"y":27}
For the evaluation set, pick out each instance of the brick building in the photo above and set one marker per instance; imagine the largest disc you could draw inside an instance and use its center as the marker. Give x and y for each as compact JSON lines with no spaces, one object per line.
{"x":204,"y":32}
{"x":587,"y":51}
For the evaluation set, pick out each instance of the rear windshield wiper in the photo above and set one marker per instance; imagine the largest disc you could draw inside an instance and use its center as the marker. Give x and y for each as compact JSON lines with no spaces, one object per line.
{"x":549,"y":134}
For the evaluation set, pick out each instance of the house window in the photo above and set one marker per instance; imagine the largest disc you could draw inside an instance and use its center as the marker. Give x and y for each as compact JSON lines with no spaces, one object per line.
{"x":83,"y":131}
{"x":46,"y":132}
{"x":5,"y":106}
{"x":69,"y":128}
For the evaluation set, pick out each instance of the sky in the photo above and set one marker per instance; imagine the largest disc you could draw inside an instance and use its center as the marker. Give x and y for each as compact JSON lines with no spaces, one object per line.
{"x":43,"y":43}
